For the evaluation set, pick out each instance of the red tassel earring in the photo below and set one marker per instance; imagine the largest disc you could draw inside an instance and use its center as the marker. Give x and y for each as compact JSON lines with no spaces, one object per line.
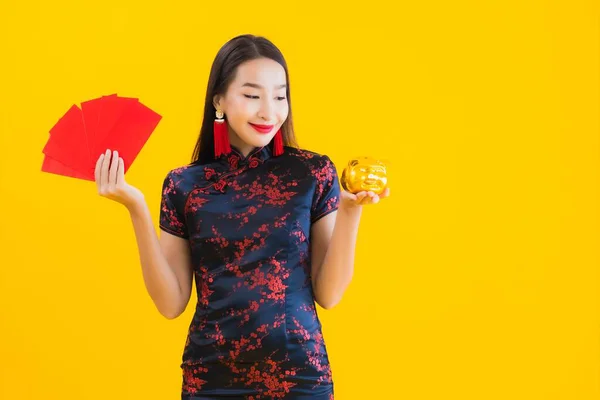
{"x":278,"y":143}
{"x":221,"y":138}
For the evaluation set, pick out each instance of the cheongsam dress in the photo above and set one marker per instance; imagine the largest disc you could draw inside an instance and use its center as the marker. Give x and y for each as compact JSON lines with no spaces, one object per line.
{"x":255,"y":333}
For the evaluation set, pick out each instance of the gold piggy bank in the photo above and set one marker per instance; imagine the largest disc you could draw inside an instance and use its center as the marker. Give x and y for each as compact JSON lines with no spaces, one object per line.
{"x":364,"y":174}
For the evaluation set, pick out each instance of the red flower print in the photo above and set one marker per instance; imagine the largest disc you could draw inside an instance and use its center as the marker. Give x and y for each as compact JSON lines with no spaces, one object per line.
{"x":233,"y":161}
{"x":191,"y":383}
{"x":209,"y":173}
{"x":220,"y":186}
{"x":195,"y":204}
{"x":253,"y":163}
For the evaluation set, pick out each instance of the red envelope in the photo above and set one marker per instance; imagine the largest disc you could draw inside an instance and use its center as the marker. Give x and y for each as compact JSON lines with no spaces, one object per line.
{"x":130,"y":133}
{"x":52,"y":166}
{"x":81,"y":135}
{"x":91,"y":115}
{"x":68,"y":142}
{"x":111,"y":110}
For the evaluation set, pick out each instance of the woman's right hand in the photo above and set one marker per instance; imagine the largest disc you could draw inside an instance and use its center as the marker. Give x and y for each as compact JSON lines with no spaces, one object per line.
{"x":110,"y":180}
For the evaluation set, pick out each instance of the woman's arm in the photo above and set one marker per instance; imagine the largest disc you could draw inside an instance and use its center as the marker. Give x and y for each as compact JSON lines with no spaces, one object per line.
{"x":333,"y":244}
{"x":166,"y":264}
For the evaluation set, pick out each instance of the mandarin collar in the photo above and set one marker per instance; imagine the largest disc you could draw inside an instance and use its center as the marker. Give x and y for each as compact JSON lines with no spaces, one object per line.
{"x":236,"y":159}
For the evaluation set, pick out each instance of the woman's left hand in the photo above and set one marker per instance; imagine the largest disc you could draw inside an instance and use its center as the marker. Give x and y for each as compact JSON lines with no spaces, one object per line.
{"x":362,"y":198}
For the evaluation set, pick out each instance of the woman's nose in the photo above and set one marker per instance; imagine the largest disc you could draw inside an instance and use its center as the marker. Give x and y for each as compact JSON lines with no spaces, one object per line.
{"x":266,"y":111}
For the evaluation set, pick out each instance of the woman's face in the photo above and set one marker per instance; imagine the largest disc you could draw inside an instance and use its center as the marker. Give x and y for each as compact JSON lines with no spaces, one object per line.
{"x":255,"y":104}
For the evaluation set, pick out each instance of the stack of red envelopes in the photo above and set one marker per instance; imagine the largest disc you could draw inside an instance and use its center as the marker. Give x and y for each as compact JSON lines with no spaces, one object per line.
{"x":81,"y":135}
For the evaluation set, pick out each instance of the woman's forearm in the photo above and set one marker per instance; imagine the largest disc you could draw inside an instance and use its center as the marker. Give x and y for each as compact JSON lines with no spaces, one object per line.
{"x":337,"y":269}
{"x":160,"y":280}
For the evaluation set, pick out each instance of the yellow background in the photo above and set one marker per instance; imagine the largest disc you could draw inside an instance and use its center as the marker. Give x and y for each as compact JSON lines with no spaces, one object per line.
{"x":477,"y":279}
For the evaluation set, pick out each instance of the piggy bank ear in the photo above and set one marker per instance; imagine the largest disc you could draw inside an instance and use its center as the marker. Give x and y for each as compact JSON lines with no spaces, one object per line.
{"x":353,"y":163}
{"x":344,"y":179}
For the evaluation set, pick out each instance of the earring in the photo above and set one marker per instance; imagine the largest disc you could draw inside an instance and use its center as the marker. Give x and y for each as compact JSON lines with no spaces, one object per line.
{"x":278,"y":143}
{"x":220,"y":136}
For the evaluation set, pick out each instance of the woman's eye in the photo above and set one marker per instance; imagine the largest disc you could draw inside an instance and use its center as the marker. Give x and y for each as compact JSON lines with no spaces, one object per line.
{"x":280,"y":98}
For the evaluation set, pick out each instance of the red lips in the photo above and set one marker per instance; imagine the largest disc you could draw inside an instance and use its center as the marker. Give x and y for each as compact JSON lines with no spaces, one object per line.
{"x":262,"y":128}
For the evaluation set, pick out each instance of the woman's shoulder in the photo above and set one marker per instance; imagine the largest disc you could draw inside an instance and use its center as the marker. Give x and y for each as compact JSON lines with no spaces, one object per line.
{"x":182,"y":170}
{"x":183,"y":176}
{"x":310,"y":158}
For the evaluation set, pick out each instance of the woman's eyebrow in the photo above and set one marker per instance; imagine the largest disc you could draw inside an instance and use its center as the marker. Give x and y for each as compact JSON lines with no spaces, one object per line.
{"x":257,"y":86}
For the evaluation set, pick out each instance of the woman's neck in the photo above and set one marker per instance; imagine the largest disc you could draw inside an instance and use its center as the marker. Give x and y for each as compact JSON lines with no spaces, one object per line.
{"x":244,"y":148}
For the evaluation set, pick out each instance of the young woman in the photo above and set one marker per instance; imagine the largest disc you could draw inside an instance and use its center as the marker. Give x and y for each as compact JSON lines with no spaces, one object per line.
{"x":261,"y":225}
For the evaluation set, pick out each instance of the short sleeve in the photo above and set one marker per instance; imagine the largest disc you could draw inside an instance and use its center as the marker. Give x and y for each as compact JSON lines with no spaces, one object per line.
{"x":172,"y":206}
{"x":327,"y":192}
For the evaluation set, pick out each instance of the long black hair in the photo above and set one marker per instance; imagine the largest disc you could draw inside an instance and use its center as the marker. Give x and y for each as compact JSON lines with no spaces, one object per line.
{"x":233,"y":53}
